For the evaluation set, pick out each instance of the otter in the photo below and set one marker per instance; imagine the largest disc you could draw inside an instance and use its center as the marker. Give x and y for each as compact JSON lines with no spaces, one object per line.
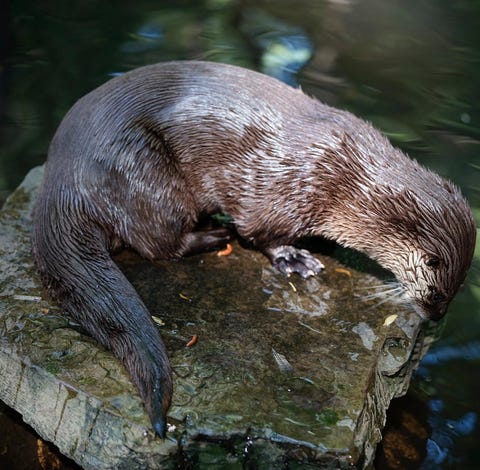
{"x":140,"y":160}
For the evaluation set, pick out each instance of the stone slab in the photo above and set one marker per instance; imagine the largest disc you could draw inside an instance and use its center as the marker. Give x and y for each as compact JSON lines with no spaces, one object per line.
{"x":284,"y":371}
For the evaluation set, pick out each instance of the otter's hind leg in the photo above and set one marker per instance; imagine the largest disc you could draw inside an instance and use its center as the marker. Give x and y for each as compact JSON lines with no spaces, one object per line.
{"x":205,"y":240}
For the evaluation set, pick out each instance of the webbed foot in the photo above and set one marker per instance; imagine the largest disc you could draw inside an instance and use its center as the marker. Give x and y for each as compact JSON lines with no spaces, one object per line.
{"x":288,"y":259}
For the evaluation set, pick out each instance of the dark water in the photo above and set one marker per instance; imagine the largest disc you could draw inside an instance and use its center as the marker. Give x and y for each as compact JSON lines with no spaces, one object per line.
{"x":410,"y":67}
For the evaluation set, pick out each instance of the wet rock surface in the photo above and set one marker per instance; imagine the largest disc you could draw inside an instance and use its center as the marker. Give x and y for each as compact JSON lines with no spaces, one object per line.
{"x":283,"y":370}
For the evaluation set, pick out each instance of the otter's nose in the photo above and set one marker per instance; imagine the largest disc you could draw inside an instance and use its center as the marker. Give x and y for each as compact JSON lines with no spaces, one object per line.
{"x":436,"y":312}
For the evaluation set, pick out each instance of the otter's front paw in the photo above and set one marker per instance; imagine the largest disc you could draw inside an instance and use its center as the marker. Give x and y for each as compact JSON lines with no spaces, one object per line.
{"x":288,"y":259}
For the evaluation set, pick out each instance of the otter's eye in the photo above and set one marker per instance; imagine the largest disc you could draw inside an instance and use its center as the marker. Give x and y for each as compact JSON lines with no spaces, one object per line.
{"x":433,"y":262}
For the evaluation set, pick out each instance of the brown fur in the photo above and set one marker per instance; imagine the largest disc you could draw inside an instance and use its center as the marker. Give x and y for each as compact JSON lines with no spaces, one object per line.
{"x":138,"y":160}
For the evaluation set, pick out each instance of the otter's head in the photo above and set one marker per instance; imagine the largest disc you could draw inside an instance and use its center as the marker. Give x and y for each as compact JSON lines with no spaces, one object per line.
{"x":413,"y":222}
{"x":428,"y":240}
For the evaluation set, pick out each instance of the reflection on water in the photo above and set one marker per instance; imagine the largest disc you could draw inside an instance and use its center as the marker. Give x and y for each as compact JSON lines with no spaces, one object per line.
{"x":448,"y":380}
{"x":409,"y":67}
{"x":283,"y":48}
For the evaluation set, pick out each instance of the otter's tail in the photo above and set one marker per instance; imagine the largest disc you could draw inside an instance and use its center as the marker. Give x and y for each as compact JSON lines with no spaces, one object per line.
{"x":72,"y":255}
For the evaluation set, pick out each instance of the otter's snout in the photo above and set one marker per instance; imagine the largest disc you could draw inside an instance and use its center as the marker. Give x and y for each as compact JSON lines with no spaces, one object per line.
{"x":435,"y":312}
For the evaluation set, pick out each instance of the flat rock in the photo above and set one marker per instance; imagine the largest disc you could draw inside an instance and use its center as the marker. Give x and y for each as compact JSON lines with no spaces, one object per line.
{"x":284,"y":370}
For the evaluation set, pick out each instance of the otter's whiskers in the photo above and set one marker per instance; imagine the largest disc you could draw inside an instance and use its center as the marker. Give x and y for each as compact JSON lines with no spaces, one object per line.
{"x":389,"y":291}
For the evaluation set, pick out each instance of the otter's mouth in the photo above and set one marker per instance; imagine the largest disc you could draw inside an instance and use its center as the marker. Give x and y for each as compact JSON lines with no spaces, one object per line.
{"x":398,"y":293}
{"x":432,"y":312}
{"x":429,"y":304}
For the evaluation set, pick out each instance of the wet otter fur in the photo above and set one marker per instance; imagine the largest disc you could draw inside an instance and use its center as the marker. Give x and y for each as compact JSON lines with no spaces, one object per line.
{"x":139,"y":160}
